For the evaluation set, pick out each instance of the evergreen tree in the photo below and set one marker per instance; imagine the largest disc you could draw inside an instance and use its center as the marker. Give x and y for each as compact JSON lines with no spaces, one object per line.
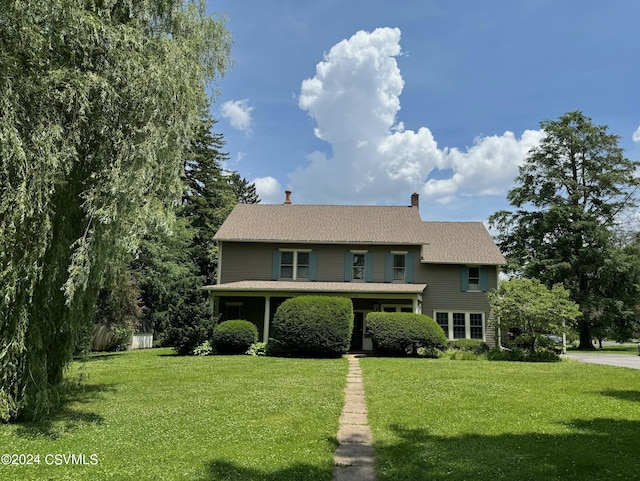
{"x":569,"y":193}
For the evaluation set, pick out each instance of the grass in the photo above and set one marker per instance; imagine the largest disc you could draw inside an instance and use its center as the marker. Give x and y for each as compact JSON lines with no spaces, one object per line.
{"x":626,"y":348}
{"x":440,"y":419}
{"x":148,"y":415}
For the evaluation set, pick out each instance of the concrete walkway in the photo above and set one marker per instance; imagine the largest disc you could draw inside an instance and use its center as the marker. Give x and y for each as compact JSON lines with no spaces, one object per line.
{"x":354,"y":457}
{"x":620,"y":360}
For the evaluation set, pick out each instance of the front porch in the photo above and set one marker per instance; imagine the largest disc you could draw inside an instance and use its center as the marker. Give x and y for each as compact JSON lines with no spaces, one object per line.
{"x":257,"y":301}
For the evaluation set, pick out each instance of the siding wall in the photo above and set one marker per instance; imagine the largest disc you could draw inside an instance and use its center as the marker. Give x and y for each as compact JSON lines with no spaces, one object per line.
{"x":252,"y":261}
{"x":443,"y":290}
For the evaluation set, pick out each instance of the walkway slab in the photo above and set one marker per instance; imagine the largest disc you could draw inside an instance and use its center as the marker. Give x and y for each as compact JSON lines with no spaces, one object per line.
{"x":354,"y":458}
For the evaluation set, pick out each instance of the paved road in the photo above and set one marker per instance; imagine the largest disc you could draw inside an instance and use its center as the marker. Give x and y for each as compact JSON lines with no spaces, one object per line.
{"x":620,"y":360}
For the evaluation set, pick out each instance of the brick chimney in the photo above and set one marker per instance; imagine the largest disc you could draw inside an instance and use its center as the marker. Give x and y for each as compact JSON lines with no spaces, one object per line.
{"x":287,"y":199}
{"x":415,"y":200}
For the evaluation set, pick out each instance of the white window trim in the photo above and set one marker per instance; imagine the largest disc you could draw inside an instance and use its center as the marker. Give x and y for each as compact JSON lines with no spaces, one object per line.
{"x":467,"y":323}
{"x":397,"y":307}
{"x":295,"y":262}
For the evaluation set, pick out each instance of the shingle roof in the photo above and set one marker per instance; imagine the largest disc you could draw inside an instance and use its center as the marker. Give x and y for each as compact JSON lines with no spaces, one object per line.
{"x":298,"y":286}
{"x":443,"y":242}
{"x":459,"y":243}
{"x":329,"y":224}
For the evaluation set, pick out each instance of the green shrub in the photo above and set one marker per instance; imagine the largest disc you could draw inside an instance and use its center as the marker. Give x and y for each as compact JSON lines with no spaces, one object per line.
{"x":312,"y":325}
{"x":257,"y":349}
{"x":234,"y":337}
{"x":190,"y":324}
{"x":522,"y":355}
{"x":430,"y":352}
{"x":203,"y":349}
{"x":474,"y":345}
{"x":460,"y":355}
{"x":402,"y":333}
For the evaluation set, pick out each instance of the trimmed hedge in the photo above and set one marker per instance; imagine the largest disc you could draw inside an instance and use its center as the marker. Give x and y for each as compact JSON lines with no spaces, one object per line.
{"x":234,"y":337}
{"x":312,"y":326}
{"x":402,"y":333}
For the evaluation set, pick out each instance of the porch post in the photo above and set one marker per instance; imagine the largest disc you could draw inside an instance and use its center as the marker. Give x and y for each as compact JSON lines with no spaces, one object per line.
{"x":267,"y":316}
{"x":415,"y":305}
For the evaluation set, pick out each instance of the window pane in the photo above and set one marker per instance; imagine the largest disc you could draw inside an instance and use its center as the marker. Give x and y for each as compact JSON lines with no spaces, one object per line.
{"x":286,"y":272}
{"x":475,"y":321}
{"x":303,"y":272}
{"x":398,"y":273}
{"x":358,"y":273}
{"x":287,"y":258}
{"x":458,"y":325}
{"x":358,"y":260}
{"x":398,"y":260}
{"x":442,"y":318}
{"x":303,"y":258}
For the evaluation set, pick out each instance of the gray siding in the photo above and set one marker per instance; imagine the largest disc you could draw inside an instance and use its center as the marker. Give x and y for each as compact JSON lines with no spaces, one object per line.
{"x":252,"y":260}
{"x":443,"y":290}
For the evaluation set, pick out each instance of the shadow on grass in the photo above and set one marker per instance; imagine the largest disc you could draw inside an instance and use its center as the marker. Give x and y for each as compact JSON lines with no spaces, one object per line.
{"x":222,"y":470}
{"x":597,"y":449}
{"x":63,"y":419}
{"x":633,"y":396}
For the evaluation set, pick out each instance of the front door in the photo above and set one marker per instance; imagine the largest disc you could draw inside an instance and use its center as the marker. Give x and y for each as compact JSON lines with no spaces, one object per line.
{"x":358,"y":331}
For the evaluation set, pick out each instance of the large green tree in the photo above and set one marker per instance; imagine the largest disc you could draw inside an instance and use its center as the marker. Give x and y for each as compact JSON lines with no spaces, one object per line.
{"x":570,"y":191}
{"x":171,"y":268}
{"x":532,"y":310}
{"x":98,"y":103}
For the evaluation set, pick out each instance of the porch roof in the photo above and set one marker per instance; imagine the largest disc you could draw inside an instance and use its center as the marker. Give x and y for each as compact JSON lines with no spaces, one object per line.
{"x":317,"y":287}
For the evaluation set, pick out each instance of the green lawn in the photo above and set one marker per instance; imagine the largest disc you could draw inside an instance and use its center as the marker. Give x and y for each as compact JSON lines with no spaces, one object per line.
{"x":626,"y":348}
{"x":148,"y":415}
{"x":482,"y":421}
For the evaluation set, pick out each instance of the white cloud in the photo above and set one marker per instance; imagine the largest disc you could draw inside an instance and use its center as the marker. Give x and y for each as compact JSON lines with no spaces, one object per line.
{"x":354,"y":99}
{"x":269,"y":190}
{"x":238,"y":114}
{"x":636,"y":135}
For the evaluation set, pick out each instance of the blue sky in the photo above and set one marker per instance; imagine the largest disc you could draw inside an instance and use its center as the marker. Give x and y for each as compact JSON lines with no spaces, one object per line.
{"x":367,"y":101}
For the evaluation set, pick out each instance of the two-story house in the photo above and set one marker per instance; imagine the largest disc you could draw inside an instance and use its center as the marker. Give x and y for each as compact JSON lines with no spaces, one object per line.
{"x":384,"y":258}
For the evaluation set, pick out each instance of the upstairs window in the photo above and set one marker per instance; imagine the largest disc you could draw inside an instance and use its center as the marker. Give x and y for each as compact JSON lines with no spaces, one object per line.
{"x":294,"y":265}
{"x":398,"y":267}
{"x":474,"y":278}
{"x":358,"y":266}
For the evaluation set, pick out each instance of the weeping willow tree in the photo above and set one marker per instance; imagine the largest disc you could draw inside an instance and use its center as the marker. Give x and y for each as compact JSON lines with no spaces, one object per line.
{"x":98,"y":101}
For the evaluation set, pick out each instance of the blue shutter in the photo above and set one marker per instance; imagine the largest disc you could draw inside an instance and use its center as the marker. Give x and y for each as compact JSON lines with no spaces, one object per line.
{"x":313,"y":266}
{"x":484,"y":278}
{"x":408,"y":266}
{"x":464,"y":278}
{"x":348,"y":266}
{"x":275,"y":266}
{"x":368,"y":267}
{"x":388,"y":267}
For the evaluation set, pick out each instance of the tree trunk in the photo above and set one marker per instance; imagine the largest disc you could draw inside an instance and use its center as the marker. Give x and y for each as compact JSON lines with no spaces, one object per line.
{"x":585,"y":337}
